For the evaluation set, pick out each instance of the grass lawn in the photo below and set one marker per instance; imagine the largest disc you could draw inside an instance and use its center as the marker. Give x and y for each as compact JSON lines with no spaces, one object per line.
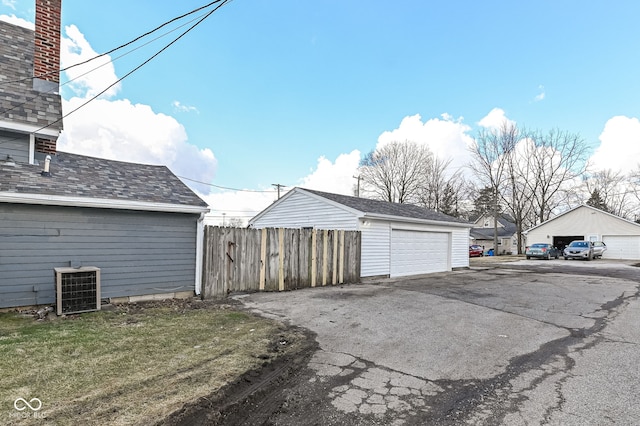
{"x":133,"y":365}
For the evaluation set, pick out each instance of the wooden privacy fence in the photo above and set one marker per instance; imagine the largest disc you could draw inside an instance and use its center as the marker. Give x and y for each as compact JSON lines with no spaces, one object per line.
{"x":277,"y":259}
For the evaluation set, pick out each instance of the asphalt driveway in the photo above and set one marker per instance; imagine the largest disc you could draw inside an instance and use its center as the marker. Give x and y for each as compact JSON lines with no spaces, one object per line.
{"x":528,"y":342}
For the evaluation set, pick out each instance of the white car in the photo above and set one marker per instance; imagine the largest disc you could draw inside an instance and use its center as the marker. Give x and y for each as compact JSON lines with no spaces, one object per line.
{"x":599,"y":248}
{"x":581,"y":249}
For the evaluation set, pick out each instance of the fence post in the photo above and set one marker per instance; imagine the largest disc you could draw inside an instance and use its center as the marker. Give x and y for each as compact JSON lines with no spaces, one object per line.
{"x":325,"y":251}
{"x":334,"y":260}
{"x":281,"y":259}
{"x":314,"y":255}
{"x":341,"y":254}
{"x":263,"y":258}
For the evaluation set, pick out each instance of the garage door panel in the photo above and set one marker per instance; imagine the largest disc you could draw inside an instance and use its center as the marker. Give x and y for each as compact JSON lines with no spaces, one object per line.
{"x":417,"y":252}
{"x":622,"y":246}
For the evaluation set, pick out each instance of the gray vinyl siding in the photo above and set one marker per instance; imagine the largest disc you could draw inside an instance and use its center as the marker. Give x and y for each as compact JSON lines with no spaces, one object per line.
{"x":139,"y":253}
{"x":302,"y":211}
{"x":16,"y":145}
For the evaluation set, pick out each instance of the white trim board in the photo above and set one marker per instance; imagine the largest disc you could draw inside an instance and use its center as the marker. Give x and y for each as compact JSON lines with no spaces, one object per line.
{"x":100,"y":203}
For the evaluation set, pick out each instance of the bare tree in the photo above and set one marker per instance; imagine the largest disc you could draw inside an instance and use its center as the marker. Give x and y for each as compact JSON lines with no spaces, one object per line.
{"x":396,"y":172}
{"x":435,"y":183}
{"x":614,"y":190}
{"x":634,"y":188}
{"x":557,"y":157}
{"x":235,"y":222}
{"x":517,"y":195}
{"x":489,"y":153}
{"x":454,"y":194}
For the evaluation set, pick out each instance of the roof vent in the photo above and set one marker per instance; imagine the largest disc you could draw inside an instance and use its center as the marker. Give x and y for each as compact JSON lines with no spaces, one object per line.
{"x":47,"y":163}
{"x":9,"y":161}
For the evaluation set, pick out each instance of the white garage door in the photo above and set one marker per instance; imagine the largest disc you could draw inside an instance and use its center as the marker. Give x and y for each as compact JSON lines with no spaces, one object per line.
{"x":417,"y":252}
{"x":622,"y":246}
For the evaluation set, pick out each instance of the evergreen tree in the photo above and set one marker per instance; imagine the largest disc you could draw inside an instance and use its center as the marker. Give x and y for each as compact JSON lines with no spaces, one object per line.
{"x":596,"y":201}
{"x":449,"y":203}
{"x":485,"y":202}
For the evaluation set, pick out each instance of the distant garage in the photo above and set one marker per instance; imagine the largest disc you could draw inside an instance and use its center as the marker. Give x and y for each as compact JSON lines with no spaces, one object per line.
{"x":621,"y":236}
{"x":397,"y":239}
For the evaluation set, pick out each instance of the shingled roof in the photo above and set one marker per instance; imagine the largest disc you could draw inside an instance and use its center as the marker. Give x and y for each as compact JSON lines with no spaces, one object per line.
{"x":507,"y":229}
{"x":75,"y":176}
{"x":385,"y":208}
{"x":19,"y":103}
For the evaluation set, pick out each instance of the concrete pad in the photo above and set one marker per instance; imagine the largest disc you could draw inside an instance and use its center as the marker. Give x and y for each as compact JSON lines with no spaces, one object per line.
{"x":415,"y":333}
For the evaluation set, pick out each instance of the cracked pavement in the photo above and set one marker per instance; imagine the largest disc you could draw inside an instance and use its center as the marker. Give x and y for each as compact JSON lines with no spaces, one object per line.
{"x":523,"y":343}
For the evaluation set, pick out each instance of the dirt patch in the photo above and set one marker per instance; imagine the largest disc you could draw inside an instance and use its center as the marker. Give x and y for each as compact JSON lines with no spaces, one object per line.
{"x":253,"y":397}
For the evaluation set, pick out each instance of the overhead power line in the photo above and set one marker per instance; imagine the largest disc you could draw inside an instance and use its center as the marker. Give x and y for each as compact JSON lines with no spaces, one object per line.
{"x":222,"y":3}
{"x":177,"y":18}
{"x":226,"y":187}
{"x":246,"y":212}
{"x":199,"y":21}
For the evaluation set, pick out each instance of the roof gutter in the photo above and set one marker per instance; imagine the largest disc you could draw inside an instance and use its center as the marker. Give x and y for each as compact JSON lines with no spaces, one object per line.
{"x":28,"y":129}
{"x":98,"y":203}
{"x":415,"y":220}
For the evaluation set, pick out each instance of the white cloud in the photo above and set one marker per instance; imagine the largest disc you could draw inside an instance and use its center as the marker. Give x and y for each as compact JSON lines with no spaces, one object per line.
{"x":446,"y":137}
{"x":123,"y":131}
{"x":120,"y":130}
{"x":495,"y":119}
{"x":178,"y":106}
{"x":13,"y":19}
{"x":619,"y":145}
{"x":540,"y":96}
{"x":89,"y":79}
{"x":337,"y":177}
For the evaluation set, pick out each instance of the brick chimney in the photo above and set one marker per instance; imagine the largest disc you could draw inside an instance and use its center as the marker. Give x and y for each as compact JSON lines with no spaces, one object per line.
{"x":46,"y":57}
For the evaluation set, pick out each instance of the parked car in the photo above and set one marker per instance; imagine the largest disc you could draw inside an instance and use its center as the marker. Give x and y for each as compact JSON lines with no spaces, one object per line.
{"x":579,"y":249}
{"x":599,"y":248}
{"x":542,"y":251}
{"x":476,"y":251}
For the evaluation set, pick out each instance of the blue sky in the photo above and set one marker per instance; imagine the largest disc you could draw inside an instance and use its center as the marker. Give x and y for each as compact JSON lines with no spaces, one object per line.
{"x":295,"y":92}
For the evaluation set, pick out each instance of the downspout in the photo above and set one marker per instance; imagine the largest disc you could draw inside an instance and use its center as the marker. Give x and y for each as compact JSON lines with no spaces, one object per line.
{"x":199,"y":253}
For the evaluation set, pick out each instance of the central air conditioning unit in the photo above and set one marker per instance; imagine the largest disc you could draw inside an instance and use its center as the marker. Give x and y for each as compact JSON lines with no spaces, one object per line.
{"x":77,"y":290}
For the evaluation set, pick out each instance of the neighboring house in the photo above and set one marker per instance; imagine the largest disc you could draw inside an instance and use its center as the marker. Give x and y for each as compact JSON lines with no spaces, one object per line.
{"x":621,"y":236}
{"x":482,"y":234}
{"x":397,"y":239}
{"x":139,"y":224}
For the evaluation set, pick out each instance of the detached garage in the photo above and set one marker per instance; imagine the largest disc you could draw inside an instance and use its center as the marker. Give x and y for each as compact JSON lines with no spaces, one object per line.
{"x":621,"y":236}
{"x":397,"y":239}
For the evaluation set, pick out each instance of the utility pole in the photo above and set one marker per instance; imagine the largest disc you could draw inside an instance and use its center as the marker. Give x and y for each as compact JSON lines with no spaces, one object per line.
{"x":278,"y":186}
{"x":358,"y":186}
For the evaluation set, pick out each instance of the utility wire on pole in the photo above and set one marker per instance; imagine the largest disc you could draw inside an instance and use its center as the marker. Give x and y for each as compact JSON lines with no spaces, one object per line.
{"x":358,"y":186}
{"x":277,"y":186}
